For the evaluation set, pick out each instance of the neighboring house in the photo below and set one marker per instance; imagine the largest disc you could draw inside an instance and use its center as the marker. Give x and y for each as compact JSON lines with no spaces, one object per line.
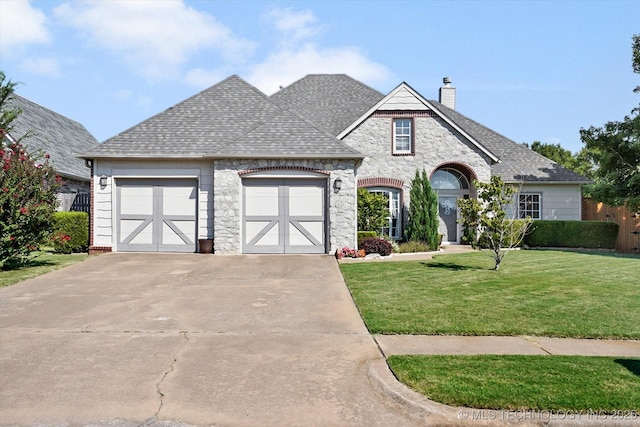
{"x":280,"y":174}
{"x":44,"y":131}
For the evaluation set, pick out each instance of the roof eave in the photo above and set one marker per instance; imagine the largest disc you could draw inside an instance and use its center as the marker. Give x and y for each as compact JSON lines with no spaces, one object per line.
{"x":548,"y":182}
{"x":87,"y":156}
{"x":275,"y":156}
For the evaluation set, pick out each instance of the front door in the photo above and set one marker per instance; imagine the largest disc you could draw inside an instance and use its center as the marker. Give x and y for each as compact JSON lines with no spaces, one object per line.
{"x":448,"y":212}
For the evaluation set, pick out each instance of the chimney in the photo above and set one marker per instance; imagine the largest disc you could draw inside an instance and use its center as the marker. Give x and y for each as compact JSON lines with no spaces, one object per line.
{"x":448,"y":94}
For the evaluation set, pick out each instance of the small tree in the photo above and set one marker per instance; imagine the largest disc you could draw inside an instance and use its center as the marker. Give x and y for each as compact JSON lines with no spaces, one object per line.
{"x":373,"y":211}
{"x":498,"y":232}
{"x":423,"y":222}
{"x":28,"y":188}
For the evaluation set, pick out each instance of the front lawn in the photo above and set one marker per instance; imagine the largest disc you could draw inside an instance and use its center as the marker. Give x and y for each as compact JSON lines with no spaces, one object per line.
{"x":41,"y":263}
{"x":544,"y":383}
{"x":540,"y":293}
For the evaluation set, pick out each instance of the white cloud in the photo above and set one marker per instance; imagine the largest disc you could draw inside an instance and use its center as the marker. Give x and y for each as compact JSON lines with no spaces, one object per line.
{"x":156,"y":38}
{"x":287,"y":66}
{"x":21,"y":25}
{"x":293,"y":25}
{"x":48,"y":67}
{"x":202,"y":79}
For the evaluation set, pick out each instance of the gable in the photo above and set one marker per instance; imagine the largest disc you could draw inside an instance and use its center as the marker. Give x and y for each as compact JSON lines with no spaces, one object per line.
{"x":402,"y":99}
{"x":406,"y":95}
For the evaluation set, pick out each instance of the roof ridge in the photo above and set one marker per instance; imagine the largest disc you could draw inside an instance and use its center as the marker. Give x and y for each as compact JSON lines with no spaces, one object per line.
{"x":184,"y":101}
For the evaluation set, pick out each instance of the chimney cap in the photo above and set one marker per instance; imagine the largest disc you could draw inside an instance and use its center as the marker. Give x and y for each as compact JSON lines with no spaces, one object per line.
{"x":446,"y":80}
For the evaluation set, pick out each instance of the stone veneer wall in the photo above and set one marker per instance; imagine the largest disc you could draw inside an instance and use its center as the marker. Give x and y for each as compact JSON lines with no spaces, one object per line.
{"x":435,"y":143}
{"x":227,"y":206}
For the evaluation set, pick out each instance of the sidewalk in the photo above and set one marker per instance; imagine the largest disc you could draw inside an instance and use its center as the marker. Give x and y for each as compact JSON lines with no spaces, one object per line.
{"x":444,"y":344}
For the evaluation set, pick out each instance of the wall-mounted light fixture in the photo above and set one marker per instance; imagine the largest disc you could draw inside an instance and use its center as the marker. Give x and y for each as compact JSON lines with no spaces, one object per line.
{"x":103,"y":181}
{"x":337,"y":184}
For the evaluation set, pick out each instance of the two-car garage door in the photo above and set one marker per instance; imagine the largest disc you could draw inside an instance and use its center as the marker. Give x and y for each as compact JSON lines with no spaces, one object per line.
{"x":280,"y":215}
{"x":284,"y":215}
{"x":156,"y":215}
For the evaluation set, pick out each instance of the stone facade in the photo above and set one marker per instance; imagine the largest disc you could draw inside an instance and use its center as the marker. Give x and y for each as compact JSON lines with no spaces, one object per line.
{"x":435,"y":144}
{"x":227,"y":206}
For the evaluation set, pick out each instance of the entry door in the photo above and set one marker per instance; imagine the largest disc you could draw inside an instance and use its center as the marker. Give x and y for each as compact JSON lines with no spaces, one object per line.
{"x":156,"y":215}
{"x":284,"y":216}
{"x":448,"y":212}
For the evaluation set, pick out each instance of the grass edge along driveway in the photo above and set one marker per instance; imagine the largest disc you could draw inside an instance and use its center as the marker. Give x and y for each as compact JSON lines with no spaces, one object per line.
{"x":41,"y":262}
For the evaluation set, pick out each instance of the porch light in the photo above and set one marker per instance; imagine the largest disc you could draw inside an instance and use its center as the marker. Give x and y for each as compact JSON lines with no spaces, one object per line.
{"x":337,"y":184}
{"x":103,"y":181}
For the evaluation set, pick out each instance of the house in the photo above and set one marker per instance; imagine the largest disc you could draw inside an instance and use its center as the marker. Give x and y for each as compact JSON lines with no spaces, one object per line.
{"x":51,"y":133}
{"x":280,"y":173}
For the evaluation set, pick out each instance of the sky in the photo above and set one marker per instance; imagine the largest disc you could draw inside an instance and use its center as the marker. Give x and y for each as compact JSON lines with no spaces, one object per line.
{"x":530,"y":70}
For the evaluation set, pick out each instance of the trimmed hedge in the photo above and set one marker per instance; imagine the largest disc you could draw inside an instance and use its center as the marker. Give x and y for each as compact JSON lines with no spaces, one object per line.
{"x":572,"y":234}
{"x":70,"y":232}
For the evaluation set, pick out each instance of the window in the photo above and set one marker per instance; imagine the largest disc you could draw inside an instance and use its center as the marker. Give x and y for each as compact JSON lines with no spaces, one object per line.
{"x":402,"y":136}
{"x":529,"y":205}
{"x":393,"y":196}
{"x":449,"y":179}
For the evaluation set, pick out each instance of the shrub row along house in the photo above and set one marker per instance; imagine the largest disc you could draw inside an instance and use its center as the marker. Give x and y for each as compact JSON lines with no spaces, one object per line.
{"x":280,"y":173}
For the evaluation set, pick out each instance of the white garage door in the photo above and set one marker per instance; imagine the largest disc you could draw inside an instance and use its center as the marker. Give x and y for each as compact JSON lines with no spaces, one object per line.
{"x":156,"y":215}
{"x":284,"y":216}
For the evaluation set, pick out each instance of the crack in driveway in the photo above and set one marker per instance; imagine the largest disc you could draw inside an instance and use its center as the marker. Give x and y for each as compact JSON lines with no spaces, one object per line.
{"x":164,"y":376}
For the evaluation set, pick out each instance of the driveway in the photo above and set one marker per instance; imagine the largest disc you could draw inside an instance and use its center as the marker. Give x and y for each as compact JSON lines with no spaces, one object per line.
{"x":129,"y":339}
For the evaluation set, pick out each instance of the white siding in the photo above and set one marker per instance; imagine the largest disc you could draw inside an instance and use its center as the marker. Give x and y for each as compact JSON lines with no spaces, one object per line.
{"x":103,"y":212}
{"x":559,"y":201}
{"x":403,"y":100}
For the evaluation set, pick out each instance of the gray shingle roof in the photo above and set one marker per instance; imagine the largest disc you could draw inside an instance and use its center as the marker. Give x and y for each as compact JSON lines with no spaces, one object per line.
{"x":230,"y":119}
{"x":333,"y":101}
{"x":53,"y":134}
{"x":517,"y":162}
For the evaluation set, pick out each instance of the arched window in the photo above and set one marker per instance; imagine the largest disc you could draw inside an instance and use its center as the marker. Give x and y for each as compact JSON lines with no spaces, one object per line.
{"x":449,"y":179}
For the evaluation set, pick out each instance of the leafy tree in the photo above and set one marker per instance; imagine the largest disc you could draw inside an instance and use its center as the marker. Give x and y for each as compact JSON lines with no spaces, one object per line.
{"x":423,"y":222}
{"x":28,"y":188}
{"x":615,"y":149}
{"x":579,"y":163}
{"x":373,"y":211}
{"x":7,"y":114}
{"x":488,"y":215}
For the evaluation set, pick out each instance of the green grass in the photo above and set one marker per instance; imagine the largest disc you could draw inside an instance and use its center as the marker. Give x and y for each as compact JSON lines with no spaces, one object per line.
{"x":540,"y":293}
{"x":552,"y":383}
{"x":41,"y":263}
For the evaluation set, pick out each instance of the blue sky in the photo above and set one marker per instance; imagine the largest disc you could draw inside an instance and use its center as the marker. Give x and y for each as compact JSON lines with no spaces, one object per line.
{"x":531,"y":70}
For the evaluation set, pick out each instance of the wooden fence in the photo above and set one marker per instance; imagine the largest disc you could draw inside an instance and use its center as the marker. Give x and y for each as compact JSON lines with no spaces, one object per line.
{"x":629,"y":235}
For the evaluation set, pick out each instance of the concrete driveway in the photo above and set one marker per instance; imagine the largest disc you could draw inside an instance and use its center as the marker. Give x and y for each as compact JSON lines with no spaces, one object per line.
{"x":129,"y":339}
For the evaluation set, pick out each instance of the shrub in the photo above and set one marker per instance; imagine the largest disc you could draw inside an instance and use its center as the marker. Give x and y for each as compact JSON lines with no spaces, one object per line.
{"x":28,"y":187}
{"x":414,"y":246}
{"x":573,"y":234}
{"x":376,"y":245}
{"x":423,"y":221}
{"x":373,"y":211}
{"x":365,"y":234}
{"x":71,"y":232}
